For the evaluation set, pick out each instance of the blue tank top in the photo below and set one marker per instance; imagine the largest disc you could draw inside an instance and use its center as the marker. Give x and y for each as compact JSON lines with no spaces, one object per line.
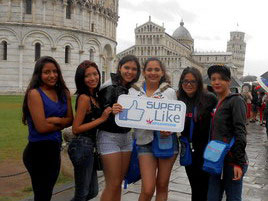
{"x":51,"y":109}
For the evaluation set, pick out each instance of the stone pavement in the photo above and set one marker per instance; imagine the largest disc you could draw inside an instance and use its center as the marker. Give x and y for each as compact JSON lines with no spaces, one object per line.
{"x":255,"y":180}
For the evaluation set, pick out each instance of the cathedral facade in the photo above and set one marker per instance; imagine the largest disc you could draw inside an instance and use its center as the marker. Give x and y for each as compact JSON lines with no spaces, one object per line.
{"x":177,"y":51}
{"x":68,"y":30}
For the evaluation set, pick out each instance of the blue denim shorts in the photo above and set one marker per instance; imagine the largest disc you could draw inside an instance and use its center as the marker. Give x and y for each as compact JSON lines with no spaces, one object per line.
{"x":147,"y":148}
{"x":108,"y":143}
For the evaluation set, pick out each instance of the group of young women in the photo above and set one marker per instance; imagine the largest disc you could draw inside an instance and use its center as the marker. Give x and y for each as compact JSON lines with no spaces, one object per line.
{"x":47,"y":110}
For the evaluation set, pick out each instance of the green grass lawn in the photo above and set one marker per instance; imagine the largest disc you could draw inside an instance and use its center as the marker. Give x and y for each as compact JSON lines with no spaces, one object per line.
{"x":13,"y":134}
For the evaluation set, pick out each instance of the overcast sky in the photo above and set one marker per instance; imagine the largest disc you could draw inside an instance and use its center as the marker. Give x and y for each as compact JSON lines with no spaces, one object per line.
{"x":208,"y":21}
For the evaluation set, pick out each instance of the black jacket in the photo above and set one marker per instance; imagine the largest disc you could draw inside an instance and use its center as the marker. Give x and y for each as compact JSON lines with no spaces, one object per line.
{"x":229,"y":121}
{"x":107,"y":96}
{"x":202,"y":122}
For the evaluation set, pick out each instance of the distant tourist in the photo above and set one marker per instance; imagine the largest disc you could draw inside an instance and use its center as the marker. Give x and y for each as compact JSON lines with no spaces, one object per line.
{"x":265,"y":113}
{"x":254,"y":104}
{"x":155,"y":172}
{"x":46,"y":110}
{"x":248,"y":98}
{"x":261,"y":106}
{"x":88,"y":117}
{"x":229,"y":122}
{"x":199,"y":105}
{"x":114,"y":142}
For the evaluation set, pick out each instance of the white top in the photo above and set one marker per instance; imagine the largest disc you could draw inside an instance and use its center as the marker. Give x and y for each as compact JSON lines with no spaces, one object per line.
{"x":164,"y":91}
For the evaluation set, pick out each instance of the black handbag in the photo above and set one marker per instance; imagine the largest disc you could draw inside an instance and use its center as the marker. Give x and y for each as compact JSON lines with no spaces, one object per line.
{"x":97,"y":161}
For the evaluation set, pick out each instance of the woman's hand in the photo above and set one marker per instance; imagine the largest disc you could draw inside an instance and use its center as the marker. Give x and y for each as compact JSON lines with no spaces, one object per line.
{"x":117,"y":108}
{"x":106,"y":113}
{"x":237,"y":173}
{"x":165,"y":133}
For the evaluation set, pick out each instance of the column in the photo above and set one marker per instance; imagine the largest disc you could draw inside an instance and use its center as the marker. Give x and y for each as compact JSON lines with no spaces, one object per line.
{"x":54,"y":11}
{"x":74,"y":16}
{"x":33,"y":10}
{"x":9,"y":10}
{"x":83,"y":16}
{"x":21,"y":47}
{"x":21,"y":10}
{"x":44,"y":10}
{"x":64,"y":12}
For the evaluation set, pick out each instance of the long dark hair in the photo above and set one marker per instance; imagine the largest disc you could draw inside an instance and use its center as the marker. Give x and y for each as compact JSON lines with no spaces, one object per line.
{"x":124,"y":60}
{"x":36,"y":82}
{"x":199,"y":95}
{"x":81,"y":87}
{"x":165,"y":77}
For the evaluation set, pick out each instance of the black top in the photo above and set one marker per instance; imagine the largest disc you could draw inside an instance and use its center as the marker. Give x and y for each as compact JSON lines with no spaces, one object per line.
{"x":107,"y":97}
{"x":230,"y":121}
{"x":202,"y":121}
{"x":94,"y":113}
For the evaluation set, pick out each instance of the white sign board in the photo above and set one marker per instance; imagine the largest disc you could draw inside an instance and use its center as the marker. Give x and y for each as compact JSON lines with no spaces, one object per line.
{"x":151,"y":113}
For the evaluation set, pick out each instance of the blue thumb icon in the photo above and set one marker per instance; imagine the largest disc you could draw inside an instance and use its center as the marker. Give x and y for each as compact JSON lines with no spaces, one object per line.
{"x":133,"y":113}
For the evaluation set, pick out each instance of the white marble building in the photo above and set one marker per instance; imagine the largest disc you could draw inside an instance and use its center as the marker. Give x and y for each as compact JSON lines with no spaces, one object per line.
{"x":177,"y":51}
{"x":68,"y":30}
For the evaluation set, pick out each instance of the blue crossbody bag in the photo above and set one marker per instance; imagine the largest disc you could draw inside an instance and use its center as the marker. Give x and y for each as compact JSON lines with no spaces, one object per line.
{"x":186,"y":145}
{"x":214,"y":155}
{"x":163,"y":147}
{"x":133,"y":175}
{"x":215,"y":152}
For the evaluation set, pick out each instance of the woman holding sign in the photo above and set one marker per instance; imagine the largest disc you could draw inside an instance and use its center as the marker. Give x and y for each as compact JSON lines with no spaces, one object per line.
{"x":199,"y":106}
{"x":155,"y":172}
{"x":229,"y":125}
{"x":114,"y":142}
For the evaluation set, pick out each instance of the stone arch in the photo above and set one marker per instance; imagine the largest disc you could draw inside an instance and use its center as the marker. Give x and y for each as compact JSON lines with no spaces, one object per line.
{"x":106,"y":61}
{"x":68,"y":44}
{"x":70,"y":36}
{"x":92,"y":50}
{"x":38,"y":41}
{"x":38,"y":32}
{"x":9,"y":30}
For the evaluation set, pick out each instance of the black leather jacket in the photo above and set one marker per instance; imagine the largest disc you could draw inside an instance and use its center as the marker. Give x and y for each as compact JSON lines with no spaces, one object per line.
{"x":229,"y":121}
{"x":107,"y":96}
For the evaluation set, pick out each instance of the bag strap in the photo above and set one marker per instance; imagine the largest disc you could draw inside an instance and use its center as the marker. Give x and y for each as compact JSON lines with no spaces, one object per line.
{"x":232,"y":142}
{"x":144,"y":87}
{"x":192,"y":124}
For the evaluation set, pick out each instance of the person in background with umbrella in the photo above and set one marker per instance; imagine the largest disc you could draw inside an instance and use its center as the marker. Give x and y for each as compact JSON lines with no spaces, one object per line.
{"x":261,"y":106}
{"x":263,"y":81}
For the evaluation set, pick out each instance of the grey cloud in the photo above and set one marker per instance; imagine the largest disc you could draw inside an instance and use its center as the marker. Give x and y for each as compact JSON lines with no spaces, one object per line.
{"x":202,"y":37}
{"x":168,"y":10}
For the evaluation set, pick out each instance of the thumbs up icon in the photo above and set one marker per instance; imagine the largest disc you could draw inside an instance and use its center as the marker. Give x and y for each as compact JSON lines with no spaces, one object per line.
{"x":133,"y":113}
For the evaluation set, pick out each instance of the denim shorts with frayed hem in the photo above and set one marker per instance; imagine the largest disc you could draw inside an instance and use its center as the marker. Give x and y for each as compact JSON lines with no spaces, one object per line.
{"x":108,"y":143}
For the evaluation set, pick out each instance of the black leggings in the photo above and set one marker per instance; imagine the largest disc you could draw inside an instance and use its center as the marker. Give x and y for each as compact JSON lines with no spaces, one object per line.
{"x":42,"y":160}
{"x":199,"y":182}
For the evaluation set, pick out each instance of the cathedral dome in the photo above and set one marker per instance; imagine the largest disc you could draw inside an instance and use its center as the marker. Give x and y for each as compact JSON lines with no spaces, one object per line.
{"x":182,"y":33}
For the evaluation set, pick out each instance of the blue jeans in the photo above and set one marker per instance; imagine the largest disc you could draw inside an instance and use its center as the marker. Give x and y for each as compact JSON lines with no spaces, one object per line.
{"x":218,"y":185}
{"x":86,"y":181}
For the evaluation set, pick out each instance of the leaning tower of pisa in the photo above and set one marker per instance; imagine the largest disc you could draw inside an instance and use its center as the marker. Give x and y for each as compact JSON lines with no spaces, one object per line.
{"x":237,"y":46}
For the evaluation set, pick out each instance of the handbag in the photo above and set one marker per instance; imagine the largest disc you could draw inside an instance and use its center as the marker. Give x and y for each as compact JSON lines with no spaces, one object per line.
{"x":214,"y":155}
{"x":97,"y":161}
{"x":186,"y":145}
{"x":133,"y":175}
{"x":163,"y":147}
